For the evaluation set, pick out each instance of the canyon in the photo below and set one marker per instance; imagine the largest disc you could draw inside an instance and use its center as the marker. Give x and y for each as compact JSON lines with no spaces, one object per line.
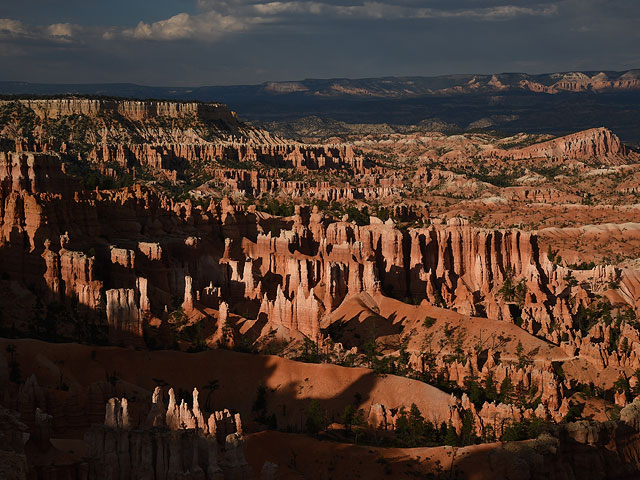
{"x":427,"y":303}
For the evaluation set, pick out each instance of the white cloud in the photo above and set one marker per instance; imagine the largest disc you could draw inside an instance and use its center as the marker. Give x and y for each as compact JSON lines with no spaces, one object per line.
{"x":206,"y":26}
{"x":61,"y":31}
{"x":11,"y":28}
{"x":57,"y":32}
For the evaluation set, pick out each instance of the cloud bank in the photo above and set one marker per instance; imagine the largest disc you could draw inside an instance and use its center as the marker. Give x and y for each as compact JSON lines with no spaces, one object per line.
{"x":218,"y":19}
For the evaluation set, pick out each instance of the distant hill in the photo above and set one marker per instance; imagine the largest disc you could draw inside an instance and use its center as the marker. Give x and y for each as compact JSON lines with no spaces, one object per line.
{"x":555,"y":103}
{"x":383,"y":87}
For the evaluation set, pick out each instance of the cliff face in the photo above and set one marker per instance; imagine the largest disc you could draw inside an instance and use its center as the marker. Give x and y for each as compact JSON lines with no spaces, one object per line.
{"x":128,"y":252}
{"x":596,"y":143}
{"x":29,"y":173}
{"x":127,"y":260}
{"x":166,"y":140}
{"x":172,"y":158}
{"x":580,"y":82}
{"x":172,"y":442}
{"x":132,"y":110}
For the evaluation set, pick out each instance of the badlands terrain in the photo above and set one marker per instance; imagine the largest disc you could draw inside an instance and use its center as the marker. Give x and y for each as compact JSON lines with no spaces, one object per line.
{"x":185,"y":295}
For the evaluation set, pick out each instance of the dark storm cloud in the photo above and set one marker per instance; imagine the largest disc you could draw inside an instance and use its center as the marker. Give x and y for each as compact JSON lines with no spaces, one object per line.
{"x":191,"y":42}
{"x":222,"y":17}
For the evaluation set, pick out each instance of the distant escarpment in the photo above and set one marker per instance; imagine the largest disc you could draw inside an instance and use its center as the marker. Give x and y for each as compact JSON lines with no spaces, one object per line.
{"x":130,"y":109}
{"x":156,"y":140}
{"x":384,"y":87}
{"x":511,"y":102}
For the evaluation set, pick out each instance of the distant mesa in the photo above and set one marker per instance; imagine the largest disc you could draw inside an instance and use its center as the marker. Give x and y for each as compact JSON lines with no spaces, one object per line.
{"x":386,"y":87}
{"x":285,"y":87}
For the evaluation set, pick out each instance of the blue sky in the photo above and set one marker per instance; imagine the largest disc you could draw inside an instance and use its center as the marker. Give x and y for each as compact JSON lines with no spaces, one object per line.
{"x":214,"y":42}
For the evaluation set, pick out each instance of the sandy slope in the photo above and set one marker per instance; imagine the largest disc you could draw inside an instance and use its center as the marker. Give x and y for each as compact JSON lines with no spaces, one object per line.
{"x":305,"y":457}
{"x":362,"y":315}
{"x":290,"y":384}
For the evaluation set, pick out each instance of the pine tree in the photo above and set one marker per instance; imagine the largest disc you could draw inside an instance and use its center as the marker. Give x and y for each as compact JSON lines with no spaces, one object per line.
{"x":468,"y":433}
{"x":451,"y":437}
{"x":490,"y":388}
{"x":506,"y":391}
{"x":442,"y":432}
{"x":416,"y":422}
{"x":314,"y":417}
{"x":347,"y":416}
{"x":403,"y":429}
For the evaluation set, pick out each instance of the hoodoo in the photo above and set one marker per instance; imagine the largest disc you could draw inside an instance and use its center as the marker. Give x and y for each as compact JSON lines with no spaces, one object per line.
{"x":185,"y":295}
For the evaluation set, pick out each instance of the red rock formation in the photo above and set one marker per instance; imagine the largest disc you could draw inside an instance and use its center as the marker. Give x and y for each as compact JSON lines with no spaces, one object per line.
{"x":297,"y":276}
{"x":185,"y":445}
{"x":129,"y":259}
{"x":132,"y":110}
{"x":596,"y":143}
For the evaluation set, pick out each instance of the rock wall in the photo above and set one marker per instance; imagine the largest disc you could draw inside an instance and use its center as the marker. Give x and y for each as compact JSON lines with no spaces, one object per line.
{"x":130,"y":109}
{"x":125,"y":255}
{"x":172,"y":443}
{"x":594,"y":143}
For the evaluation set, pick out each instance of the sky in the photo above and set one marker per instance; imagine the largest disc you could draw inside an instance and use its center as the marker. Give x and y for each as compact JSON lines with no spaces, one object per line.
{"x":227,"y":42}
